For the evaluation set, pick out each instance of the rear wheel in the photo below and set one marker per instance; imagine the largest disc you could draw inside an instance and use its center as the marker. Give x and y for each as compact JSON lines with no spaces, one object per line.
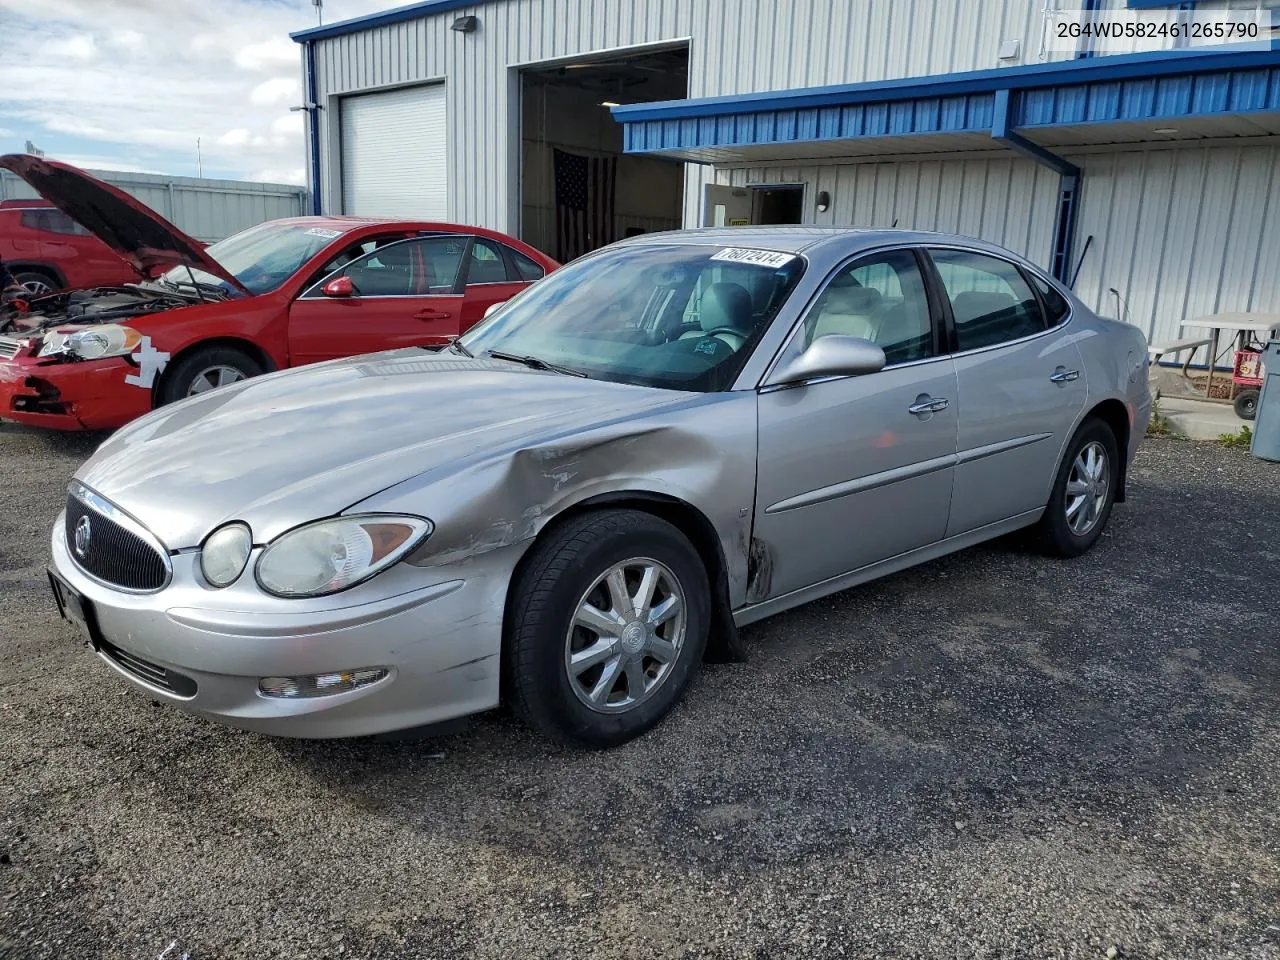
{"x":206,"y":369}
{"x":606,"y":627}
{"x":1083,"y":492}
{"x":36,"y":282}
{"x":1246,"y":404}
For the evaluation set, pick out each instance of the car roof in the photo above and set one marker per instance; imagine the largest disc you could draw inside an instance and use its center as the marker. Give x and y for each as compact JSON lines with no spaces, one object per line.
{"x":801,"y":239}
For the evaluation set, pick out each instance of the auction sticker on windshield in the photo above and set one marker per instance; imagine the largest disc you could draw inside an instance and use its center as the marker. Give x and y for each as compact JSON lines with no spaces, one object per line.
{"x":322,"y":232}
{"x":764,"y":258}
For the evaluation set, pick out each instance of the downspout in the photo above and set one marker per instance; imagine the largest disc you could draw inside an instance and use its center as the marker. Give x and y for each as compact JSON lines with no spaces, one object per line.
{"x":1064,"y":229}
{"x":313,"y":127}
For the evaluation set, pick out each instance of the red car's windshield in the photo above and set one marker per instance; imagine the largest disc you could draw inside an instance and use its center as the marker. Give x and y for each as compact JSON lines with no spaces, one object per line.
{"x":261,"y":258}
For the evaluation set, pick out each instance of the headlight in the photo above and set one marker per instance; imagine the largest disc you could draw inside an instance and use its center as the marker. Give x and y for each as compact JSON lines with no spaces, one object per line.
{"x":93,"y":343}
{"x":333,"y":555}
{"x":224,"y":554}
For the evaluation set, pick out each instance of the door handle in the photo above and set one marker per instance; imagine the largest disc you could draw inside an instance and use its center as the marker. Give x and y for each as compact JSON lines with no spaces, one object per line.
{"x":926,"y":405}
{"x":1063,"y":375}
{"x":430,"y":314}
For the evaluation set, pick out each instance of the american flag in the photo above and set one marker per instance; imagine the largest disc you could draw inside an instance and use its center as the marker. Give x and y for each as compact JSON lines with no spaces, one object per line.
{"x":584,"y":203}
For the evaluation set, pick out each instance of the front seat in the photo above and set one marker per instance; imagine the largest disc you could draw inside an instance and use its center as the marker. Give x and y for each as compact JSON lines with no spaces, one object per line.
{"x":725,"y":313}
{"x":848,"y":310}
{"x":391,"y":278}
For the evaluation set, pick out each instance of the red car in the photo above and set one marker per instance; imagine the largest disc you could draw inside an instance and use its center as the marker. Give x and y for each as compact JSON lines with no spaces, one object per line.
{"x":46,"y":250}
{"x":277,"y":295}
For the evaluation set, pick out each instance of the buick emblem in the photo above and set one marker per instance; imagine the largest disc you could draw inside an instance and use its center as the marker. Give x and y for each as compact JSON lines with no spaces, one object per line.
{"x":84,"y":532}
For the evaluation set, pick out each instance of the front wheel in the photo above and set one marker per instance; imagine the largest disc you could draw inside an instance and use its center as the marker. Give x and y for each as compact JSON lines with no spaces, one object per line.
{"x":606,"y":627}
{"x":1083,"y":492}
{"x":206,"y":368}
{"x":1246,"y":404}
{"x":35,"y":283}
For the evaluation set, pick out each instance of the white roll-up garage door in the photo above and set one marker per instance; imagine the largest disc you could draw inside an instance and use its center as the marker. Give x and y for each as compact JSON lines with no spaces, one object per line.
{"x":394,"y":150}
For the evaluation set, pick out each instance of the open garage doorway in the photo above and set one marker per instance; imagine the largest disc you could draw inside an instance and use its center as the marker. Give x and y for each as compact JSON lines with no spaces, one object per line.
{"x":578,"y":190}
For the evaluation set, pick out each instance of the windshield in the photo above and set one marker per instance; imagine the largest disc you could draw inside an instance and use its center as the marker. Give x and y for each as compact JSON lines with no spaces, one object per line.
{"x":683,"y":317}
{"x":261,"y":258}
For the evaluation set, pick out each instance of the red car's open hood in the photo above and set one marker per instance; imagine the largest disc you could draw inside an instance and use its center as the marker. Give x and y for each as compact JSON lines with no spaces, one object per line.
{"x":147,"y":241}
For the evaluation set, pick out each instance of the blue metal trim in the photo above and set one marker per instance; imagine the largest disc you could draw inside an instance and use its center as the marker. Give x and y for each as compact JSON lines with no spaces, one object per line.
{"x":1095,"y":69}
{"x":313,"y":128}
{"x":1064,"y":228}
{"x":1002,"y":130}
{"x":1090,"y":6}
{"x":411,"y":11}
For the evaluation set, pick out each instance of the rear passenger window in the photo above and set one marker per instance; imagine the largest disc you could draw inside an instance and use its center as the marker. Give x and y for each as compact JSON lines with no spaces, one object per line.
{"x":1055,"y":304}
{"x":487,"y":265}
{"x":525,"y":266}
{"x":881,"y":299}
{"x":990,"y":301}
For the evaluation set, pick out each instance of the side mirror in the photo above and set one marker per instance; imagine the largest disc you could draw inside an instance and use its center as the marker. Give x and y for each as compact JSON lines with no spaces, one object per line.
{"x":494,"y":308}
{"x":339,"y":287}
{"x":834,"y":355}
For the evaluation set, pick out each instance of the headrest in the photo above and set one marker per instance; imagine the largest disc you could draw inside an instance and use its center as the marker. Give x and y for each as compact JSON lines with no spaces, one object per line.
{"x":972,"y":304}
{"x":726,"y":305}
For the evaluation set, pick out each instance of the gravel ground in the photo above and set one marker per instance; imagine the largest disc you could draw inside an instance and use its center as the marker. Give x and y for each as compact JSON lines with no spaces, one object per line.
{"x":993,"y":755}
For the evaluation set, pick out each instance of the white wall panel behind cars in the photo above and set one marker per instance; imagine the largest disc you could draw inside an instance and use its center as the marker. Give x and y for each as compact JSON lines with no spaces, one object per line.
{"x":1006,"y":200}
{"x":1181,"y":233}
{"x":395,"y":153}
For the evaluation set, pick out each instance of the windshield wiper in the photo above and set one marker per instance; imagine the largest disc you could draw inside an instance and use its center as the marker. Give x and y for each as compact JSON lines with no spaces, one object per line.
{"x":535,"y":363}
{"x":456,"y":347}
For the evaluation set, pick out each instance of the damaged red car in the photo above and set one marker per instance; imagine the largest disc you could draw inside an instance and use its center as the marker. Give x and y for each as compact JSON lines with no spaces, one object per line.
{"x":281,"y":294}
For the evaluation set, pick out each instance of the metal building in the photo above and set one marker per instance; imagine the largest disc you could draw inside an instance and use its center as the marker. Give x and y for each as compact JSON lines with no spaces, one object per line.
{"x":203,"y":208}
{"x":1152,"y":179}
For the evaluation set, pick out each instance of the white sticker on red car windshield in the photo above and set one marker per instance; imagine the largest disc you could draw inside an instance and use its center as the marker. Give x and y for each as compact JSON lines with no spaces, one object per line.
{"x":322,"y":232}
{"x":762,"y":258}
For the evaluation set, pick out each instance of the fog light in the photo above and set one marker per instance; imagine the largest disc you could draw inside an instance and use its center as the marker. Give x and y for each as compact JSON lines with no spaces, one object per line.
{"x":321,"y":685}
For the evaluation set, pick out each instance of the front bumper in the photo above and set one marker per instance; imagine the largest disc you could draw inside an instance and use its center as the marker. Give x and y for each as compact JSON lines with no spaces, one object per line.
{"x":438,"y":632}
{"x":89,"y":395}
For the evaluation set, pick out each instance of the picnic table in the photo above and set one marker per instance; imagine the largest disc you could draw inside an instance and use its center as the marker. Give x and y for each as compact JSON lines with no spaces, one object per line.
{"x":1243,"y":326}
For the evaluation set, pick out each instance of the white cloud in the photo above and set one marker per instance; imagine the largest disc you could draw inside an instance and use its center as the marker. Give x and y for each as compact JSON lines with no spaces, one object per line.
{"x":80,"y":46}
{"x":273,"y":91}
{"x":134,"y":83}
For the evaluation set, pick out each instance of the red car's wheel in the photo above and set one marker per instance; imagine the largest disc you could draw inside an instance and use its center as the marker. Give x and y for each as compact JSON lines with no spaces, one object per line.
{"x":203,"y":370}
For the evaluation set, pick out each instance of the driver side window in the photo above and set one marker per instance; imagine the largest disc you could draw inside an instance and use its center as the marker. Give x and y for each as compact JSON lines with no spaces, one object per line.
{"x":880,"y":298}
{"x":406,"y":268}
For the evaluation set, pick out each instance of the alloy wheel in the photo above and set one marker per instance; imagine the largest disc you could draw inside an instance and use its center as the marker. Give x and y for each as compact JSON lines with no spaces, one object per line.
{"x":1087,"y":487}
{"x":212,"y":377}
{"x":627,"y":633}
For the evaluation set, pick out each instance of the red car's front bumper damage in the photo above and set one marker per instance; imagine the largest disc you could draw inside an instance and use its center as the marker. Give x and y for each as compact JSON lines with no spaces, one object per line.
{"x":84,"y":395}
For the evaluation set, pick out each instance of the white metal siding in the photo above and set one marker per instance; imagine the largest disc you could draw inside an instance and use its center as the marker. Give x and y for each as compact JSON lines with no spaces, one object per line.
{"x":395,"y":153}
{"x":745,"y":47}
{"x":1006,"y":200}
{"x":1180,"y":234}
{"x":206,"y":209}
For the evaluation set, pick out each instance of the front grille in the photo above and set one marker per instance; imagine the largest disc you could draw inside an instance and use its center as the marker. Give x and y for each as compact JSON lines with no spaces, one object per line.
{"x":9,"y":348}
{"x":149,"y":672}
{"x":112,"y":553}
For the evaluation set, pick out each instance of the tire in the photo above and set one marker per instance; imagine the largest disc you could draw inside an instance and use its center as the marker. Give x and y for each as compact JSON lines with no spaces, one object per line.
{"x":36,"y":282}
{"x":1069,"y":535}
{"x":1246,"y":404}
{"x":569,"y":571}
{"x":212,"y":366}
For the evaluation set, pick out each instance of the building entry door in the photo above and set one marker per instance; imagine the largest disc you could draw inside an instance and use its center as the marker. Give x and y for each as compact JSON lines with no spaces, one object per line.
{"x":726,"y":206}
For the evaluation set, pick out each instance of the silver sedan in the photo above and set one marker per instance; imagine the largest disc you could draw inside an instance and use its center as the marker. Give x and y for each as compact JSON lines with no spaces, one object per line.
{"x":586,"y":495}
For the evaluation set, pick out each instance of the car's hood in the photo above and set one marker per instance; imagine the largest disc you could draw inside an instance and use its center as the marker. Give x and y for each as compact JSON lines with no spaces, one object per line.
{"x":295,"y":446}
{"x":147,"y":241}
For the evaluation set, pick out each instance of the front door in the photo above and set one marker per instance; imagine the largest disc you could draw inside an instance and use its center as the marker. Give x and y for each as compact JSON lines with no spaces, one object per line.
{"x":406,"y":293}
{"x":726,"y":206}
{"x":854,"y":470}
{"x":1021,"y":389}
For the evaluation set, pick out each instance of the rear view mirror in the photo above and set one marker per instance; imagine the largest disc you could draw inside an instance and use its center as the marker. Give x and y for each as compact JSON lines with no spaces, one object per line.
{"x":339,"y":287}
{"x":834,"y":355}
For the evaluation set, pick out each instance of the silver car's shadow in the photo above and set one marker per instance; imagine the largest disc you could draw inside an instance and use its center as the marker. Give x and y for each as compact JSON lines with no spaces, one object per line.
{"x":988,"y":695}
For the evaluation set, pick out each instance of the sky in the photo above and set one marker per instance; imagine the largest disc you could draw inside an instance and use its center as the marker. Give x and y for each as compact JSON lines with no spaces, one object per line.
{"x":132,"y":84}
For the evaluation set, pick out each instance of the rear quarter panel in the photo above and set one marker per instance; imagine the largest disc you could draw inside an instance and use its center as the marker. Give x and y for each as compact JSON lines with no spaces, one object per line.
{"x":1115,"y":360}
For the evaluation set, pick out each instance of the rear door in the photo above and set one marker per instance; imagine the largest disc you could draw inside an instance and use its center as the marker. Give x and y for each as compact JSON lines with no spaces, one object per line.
{"x":1021,"y":387}
{"x":405,"y":293}
{"x":492,"y":277}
